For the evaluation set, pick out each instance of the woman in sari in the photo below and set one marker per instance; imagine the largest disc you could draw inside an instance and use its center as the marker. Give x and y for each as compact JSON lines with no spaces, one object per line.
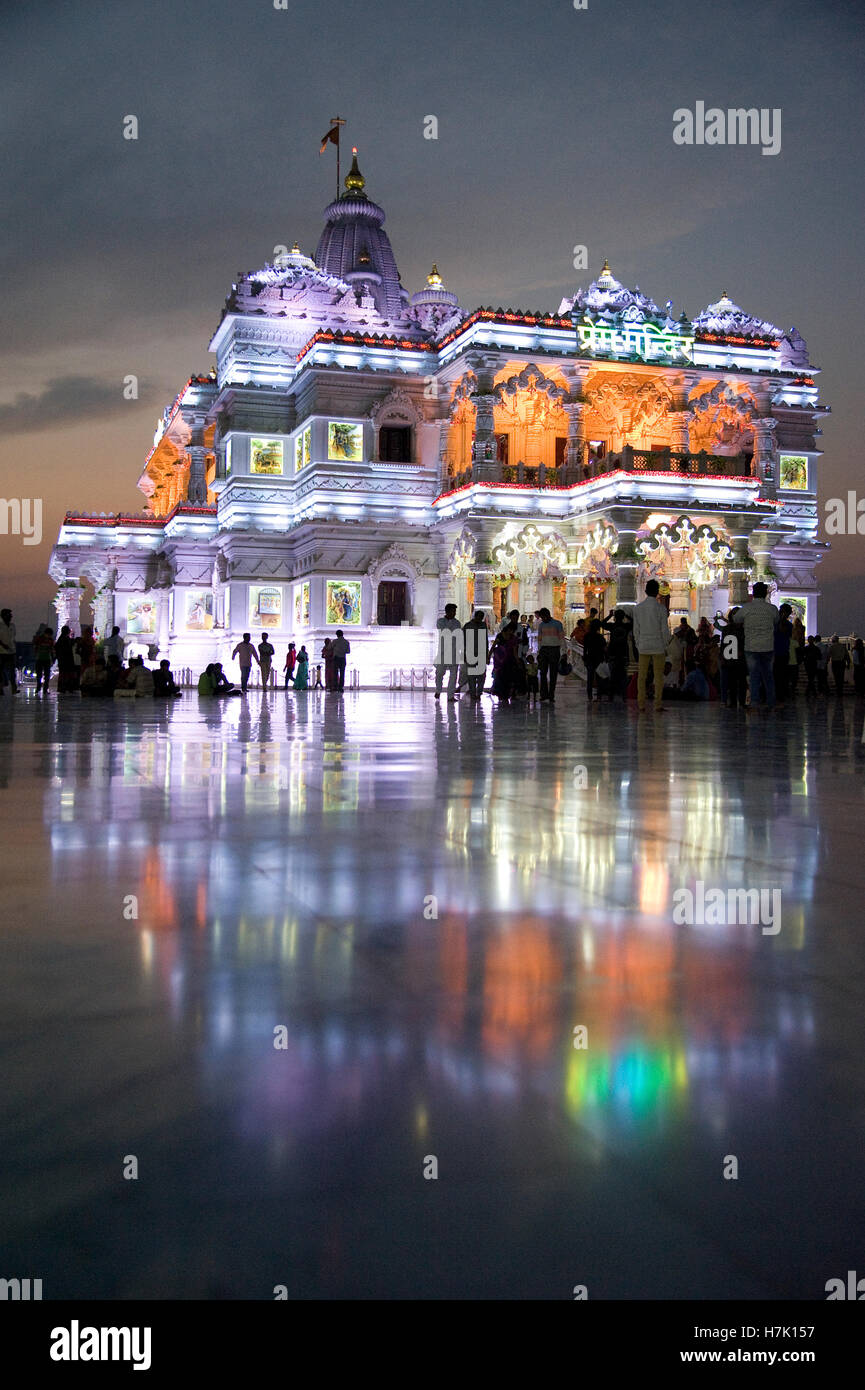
{"x":301,"y":670}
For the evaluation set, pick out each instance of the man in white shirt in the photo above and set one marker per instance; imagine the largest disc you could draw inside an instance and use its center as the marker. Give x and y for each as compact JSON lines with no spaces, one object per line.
{"x":449,"y":654}
{"x":114,"y":645}
{"x":759,"y":620}
{"x":651,"y":635}
{"x":551,"y":645}
{"x":246,"y":654}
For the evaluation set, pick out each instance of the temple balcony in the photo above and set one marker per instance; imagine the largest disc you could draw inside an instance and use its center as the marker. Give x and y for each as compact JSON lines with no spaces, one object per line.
{"x":629,"y":460}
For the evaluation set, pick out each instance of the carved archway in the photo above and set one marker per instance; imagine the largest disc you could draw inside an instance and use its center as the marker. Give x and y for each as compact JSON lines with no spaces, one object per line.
{"x":394,"y":563}
{"x":396,"y":409}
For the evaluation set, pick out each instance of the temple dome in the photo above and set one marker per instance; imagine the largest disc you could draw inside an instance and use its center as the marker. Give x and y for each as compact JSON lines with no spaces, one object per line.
{"x":434,"y":293}
{"x":608,"y":301}
{"x":728,"y":320}
{"x":355,"y":248}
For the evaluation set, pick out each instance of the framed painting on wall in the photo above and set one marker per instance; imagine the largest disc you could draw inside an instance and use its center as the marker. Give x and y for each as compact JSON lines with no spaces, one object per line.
{"x":265,"y":456}
{"x":793,"y":472}
{"x":265,"y":606}
{"x":344,"y":441}
{"x":301,"y":605}
{"x":199,"y":610}
{"x":140,"y":617}
{"x":343,"y":602}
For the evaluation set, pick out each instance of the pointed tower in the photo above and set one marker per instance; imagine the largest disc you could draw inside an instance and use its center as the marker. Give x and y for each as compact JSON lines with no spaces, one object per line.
{"x":355,"y":247}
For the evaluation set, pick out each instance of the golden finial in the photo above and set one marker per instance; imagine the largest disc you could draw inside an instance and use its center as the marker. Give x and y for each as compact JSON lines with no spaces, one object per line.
{"x":295,"y":250}
{"x":434,"y":279}
{"x":354,"y":179}
{"x":723,"y":294}
{"x":606,"y":269}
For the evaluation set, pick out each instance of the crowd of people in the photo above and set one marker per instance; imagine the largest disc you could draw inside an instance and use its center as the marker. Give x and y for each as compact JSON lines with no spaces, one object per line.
{"x":752,"y":657}
{"x":755,"y":656}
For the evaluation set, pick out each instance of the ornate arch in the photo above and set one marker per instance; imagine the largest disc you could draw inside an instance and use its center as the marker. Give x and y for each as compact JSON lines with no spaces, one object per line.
{"x":532,"y":380}
{"x":397,"y":406}
{"x":631,"y":409}
{"x":698,"y":552}
{"x":594,"y":558}
{"x":461,"y":561}
{"x":394,"y":563}
{"x":549,"y":546}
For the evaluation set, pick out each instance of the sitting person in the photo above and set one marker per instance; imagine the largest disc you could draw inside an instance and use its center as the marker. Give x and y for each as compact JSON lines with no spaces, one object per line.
{"x":115,"y":674}
{"x":221,"y":684}
{"x":164,"y":683}
{"x":206,"y":681}
{"x":94,"y":679}
{"x":696,"y":686}
{"x":139,"y":678}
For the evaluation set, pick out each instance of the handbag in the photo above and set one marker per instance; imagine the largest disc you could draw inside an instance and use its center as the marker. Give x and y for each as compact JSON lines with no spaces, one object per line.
{"x":565,"y":667}
{"x":602,"y":670}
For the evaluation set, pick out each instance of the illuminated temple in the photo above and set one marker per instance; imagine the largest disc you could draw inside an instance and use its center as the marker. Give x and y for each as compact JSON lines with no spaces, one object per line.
{"x":360,"y":456}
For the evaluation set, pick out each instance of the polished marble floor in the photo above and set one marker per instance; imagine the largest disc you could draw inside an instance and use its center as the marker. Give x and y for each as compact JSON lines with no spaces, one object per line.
{"x":421,"y":903}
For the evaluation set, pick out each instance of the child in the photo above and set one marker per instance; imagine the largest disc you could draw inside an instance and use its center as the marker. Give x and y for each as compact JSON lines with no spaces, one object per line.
{"x":531,"y":667}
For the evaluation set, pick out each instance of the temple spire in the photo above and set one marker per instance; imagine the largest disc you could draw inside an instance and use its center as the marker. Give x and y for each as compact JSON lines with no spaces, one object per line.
{"x":354,"y":179}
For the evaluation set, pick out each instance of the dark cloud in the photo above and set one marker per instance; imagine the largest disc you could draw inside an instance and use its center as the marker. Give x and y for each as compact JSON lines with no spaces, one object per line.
{"x":68,"y":400}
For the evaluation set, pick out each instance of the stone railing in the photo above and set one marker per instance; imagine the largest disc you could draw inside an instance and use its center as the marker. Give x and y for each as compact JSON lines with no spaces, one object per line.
{"x":629,"y":460}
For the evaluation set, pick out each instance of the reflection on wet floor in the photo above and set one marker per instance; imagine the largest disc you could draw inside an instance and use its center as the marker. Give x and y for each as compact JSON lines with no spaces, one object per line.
{"x":457,"y":926}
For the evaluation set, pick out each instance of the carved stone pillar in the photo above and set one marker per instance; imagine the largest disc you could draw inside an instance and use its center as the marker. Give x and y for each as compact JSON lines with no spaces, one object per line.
{"x":766,"y":455}
{"x":739,"y":573}
{"x":102,"y":608}
{"x":484,"y":461}
{"x":484,"y":588}
{"x":197,"y":491}
{"x":576,"y":448}
{"x":67,"y":601}
{"x":573,"y":588}
{"x":626,"y":584}
{"x":680,"y":422}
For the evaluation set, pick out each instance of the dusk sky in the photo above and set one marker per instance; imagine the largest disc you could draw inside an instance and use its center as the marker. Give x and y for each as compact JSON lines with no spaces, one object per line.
{"x":555,"y":128}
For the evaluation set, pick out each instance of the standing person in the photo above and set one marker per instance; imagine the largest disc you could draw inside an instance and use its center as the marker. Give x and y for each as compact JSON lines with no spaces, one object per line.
{"x":301,"y":673}
{"x":858,"y":658}
{"x":339,"y":650}
{"x":504,"y":660}
{"x":8,"y":652}
{"x":823,"y":668}
{"x":734,"y":671}
{"x":619,"y":628}
{"x":781,"y":660}
{"x":759,"y":619}
{"x":651,"y":639}
{"x":327,"y":656}
{"x":85,"y":649}
{"x":797,"y":649}
{"x":43,"y":655}
{"x":448,"y":653}
{"x":551,"y":644}
{"x":839,"y":659}
{"x":246,"y":654}
{"x":266,"y":653}
{"x":532,"y":687}
{"x":290,"y":663}
{"x":476,"y":645}
{"x":811,"y":662}
{"x":114,"y":645}
{"x":67,"y":671}
{"x":594,"y":651}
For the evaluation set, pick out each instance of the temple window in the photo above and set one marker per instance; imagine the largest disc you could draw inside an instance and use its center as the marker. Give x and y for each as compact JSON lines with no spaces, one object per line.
{"x":394,"y":444}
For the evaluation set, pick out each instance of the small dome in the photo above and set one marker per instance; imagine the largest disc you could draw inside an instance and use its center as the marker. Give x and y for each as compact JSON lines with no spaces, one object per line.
{"x":435,"y":292}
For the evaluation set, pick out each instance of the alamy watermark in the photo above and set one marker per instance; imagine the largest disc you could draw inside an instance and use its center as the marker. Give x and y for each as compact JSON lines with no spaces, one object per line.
{"x":736,"y":126}
{"x":22,"y":516}
{"x":713,"y":907}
